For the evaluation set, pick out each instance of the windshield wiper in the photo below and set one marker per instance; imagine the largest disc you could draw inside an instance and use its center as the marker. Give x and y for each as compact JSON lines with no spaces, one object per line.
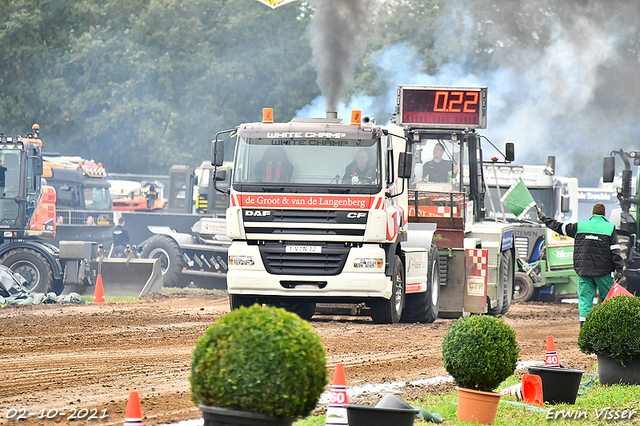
{"x":339,"y":190}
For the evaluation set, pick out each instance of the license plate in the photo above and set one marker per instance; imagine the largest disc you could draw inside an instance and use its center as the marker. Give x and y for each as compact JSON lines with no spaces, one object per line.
{"x":303,"y":249}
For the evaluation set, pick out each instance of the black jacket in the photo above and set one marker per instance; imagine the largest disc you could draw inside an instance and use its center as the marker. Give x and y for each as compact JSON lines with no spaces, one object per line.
{"x":596,"y":251}
{"x":120,"y":236}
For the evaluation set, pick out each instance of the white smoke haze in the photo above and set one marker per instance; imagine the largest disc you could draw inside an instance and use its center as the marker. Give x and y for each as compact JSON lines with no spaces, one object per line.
{"x":562,"y":77}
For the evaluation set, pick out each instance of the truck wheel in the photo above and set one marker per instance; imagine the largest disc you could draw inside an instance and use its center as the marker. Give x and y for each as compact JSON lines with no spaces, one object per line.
{"x":500,"y":290}
{"x":32,"y":266}
{"x":506,"y":272}
{"x":423,"y":307}
{"x":237,"y":301}
{"x":171,"y":262}
{"x":523,"y":285}
{"x":385,"y":311}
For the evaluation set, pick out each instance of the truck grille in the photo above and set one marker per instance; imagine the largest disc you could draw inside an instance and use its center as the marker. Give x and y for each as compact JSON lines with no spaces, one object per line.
{"x":319,"y":223}
{"x":329,"y":262}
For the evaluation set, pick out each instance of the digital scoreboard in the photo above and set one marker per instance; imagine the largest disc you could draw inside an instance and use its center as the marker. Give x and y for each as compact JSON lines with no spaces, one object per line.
{"x":442,"y":107}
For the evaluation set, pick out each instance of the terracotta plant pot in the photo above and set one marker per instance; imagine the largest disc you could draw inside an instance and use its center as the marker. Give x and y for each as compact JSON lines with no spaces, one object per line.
{"x":477,"y":406}
{"x":611,"y":372}
{"x":217,"y":416}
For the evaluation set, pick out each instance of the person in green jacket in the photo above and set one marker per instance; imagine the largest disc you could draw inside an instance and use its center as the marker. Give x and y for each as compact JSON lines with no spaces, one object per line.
{"x":596,"y":254}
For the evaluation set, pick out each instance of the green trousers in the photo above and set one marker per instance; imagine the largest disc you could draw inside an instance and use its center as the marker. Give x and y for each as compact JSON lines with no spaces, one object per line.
{"x":587,"y":290}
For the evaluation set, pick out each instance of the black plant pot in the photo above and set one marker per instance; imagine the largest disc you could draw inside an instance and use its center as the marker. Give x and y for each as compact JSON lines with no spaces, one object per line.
{"x":216,"y":416}
{"x":611,"y":372}
{"x":367,"y":415}
{"x":559,"y":385}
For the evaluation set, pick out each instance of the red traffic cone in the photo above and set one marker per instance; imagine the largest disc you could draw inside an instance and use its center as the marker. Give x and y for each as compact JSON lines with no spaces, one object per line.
{"x":617,"y":290}
{"x":98,"y":296}
{"x":336,"y":412}
{"x":133,"y":413}
{"x":532,"y":389}
{"x":551,"y":360}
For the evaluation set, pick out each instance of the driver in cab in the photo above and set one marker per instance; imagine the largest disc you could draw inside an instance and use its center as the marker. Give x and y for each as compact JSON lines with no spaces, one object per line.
{"x":437,"y":170}
{"x":359,"y":171}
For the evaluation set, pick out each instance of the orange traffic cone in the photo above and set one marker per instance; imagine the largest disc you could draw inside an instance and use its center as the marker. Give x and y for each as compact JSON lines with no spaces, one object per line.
{"x":133,"y":413}
{"x":532,"y":389}
{"x":336,"y":412}
{"x":551,"y":360}
{"x":617,"y":290}
{"x":98,"y":296}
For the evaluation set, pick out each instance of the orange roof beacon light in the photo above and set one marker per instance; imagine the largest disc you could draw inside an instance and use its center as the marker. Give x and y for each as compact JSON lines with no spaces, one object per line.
{"x":267,"y":115}
{"x":356,"y":117}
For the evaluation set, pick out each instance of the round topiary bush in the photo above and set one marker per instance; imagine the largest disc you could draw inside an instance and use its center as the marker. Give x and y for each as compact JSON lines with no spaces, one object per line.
{"x":260,"y":359}
{"x":613,"y":329}
{"x":480,"y":352}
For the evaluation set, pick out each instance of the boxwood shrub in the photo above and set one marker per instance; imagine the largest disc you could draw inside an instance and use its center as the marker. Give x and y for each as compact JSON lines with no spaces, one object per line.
{"x":260,"y":359}
{"x":613,"y":329}
{"x":480,"y":352}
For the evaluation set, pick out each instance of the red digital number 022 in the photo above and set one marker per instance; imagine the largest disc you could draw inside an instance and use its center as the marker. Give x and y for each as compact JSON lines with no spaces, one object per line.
{"x":446,"y":101}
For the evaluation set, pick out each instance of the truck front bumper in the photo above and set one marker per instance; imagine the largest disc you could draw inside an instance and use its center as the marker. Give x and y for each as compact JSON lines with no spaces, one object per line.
{"x":352,"y":282}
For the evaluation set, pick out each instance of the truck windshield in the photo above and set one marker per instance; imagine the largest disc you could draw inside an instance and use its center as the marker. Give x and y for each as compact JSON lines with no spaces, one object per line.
{"x":9,"y":173}
{"x":97,"y":199}
{"x":9,"y":186}
{"x":325,"y":162}
{"x":436,"y":166}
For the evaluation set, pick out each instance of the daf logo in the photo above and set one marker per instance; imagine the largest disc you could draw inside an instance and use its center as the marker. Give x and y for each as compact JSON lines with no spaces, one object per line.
{"x":257,"y":213}
{"x":356,"y":215}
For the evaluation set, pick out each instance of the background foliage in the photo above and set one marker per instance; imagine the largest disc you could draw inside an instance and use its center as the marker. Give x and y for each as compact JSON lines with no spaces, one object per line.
{"x":141,"y":85}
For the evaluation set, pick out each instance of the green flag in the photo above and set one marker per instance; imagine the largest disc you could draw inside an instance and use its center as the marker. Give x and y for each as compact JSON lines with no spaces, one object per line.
{"x":518,"y":199}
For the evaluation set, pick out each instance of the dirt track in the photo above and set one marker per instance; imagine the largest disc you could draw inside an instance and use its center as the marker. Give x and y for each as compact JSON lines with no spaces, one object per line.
{"x":91,"y":356}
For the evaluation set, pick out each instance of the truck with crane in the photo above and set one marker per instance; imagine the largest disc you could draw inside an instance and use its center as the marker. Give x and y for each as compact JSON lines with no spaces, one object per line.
{"x":323,"y":213}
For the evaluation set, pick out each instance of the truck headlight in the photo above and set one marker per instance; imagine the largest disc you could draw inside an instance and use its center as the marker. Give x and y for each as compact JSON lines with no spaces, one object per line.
{"x":241,"y":260}
{"x":368,"y":262}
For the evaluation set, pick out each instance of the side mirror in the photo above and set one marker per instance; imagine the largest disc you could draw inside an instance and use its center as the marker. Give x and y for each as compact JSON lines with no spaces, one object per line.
{"x":217,"y":153}
{"x":565,"y":204}
{"x":509,"y":151}
{"x":404,"y":165}
{"x":221,"y":175}
{"x":608,"y":169}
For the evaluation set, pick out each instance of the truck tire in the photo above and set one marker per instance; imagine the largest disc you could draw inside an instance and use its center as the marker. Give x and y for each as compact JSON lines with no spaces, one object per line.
{"x":523,"y":284}
{"x":497,"y":310}
{"x":506,"y":272}
{"x":385,"y":311}
{"x":171,"y":262}
{"x":423,"y":307}
{"x":32,"y":266}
